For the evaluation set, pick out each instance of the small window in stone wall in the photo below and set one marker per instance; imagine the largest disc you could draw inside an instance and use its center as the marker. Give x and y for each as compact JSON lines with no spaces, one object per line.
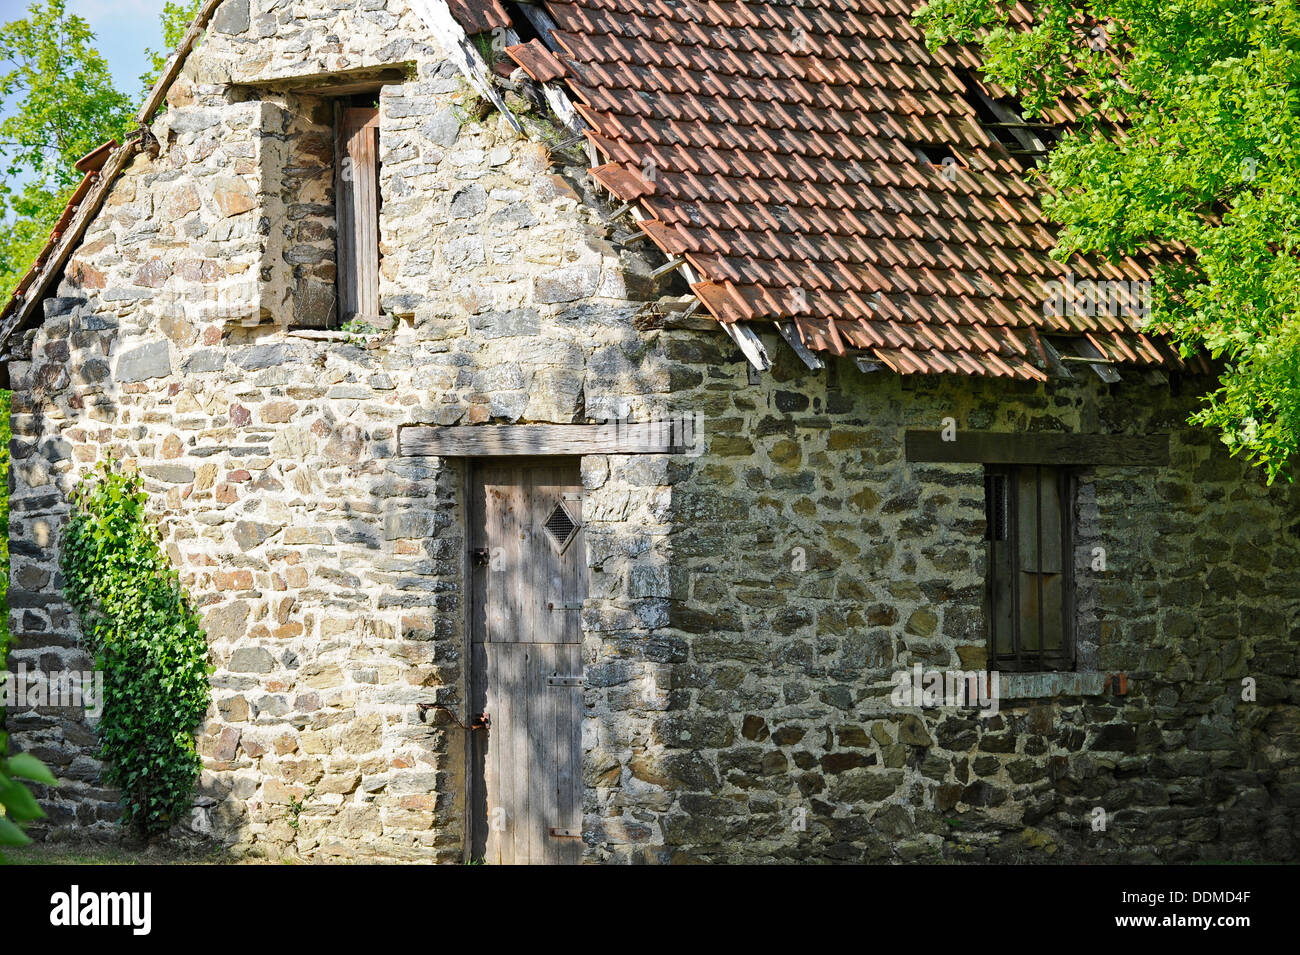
{"x":308,"y":223}
{"x":357,"y":203}
{"x":1029,"y":512}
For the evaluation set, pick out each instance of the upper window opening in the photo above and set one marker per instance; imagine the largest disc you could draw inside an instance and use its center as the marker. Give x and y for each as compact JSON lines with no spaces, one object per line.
{"x":357,"y":205}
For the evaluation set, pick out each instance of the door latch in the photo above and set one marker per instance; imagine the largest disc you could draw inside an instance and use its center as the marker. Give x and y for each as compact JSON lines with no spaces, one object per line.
{"x":480,"y":557}
{"x":480,"y":722}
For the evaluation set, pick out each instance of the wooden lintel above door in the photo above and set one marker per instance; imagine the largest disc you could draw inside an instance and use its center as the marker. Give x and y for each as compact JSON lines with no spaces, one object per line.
{"x":548,"y":439}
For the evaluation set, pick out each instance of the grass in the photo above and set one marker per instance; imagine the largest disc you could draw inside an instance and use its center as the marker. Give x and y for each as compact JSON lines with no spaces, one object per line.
{"x":87,"y":854}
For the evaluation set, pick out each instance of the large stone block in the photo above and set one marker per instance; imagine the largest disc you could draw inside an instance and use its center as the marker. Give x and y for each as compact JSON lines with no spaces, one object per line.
{"x":232,"y":17}
{"x":566,"y":284}
{"x":145,"y":362}
{"x":251,"y":660}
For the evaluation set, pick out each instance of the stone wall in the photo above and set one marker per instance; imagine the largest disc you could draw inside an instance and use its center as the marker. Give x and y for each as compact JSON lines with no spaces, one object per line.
{"x":327,"y":568}
{"x":258,"y":41}
{"x":748,"y":606}
{"x":802,"y":562}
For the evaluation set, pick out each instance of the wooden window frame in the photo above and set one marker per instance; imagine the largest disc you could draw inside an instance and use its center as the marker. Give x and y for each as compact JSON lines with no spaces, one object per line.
{"x":1005,"y":567}
{"x":357,"y":204}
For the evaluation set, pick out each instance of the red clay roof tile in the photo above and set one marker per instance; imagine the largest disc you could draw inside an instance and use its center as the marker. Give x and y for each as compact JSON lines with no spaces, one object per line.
{"x":537,"y":61}
{"x":785,"y":141}
{"x":479,"y":16}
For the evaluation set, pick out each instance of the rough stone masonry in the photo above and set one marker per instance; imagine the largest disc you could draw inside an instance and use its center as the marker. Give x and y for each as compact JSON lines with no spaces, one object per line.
{"x":766,"y":590}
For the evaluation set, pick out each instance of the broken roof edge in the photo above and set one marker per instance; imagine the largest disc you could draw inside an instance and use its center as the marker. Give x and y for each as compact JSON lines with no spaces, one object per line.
{"x":105,"y":163}
{"x":81,"y":210}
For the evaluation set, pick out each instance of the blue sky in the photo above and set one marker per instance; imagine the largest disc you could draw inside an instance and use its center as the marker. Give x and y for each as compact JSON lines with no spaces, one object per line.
{"x":123,"y":28}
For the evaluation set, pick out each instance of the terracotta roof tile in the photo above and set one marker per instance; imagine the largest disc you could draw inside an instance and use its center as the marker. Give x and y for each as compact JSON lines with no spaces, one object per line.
{"x":479,"y":16}
{"x":786,"y":143}
{"x":94,"y":160}
{"x":815,"y":162}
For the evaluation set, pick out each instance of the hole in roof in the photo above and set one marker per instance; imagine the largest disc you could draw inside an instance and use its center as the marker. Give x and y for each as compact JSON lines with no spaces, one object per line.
{"x":937,"y":154}
{"x":523,"y":24}
{"x":1001,"y":118}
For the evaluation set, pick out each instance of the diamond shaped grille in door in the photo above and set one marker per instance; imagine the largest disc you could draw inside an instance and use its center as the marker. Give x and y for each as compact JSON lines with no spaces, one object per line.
{"x":561,"y":527}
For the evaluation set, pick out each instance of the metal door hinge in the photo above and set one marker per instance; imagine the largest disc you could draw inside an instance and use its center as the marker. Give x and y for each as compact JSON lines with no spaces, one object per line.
{"x":564,"y":680}
{"x":560,"y":833}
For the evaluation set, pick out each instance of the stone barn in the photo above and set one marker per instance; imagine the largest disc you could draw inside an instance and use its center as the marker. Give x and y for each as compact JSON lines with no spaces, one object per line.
{"x":610,"y":432}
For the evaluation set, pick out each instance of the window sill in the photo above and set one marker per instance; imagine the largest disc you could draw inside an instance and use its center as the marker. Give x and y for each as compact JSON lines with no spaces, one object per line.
{"x":320,"y":334}
{"x":1024,"y":686}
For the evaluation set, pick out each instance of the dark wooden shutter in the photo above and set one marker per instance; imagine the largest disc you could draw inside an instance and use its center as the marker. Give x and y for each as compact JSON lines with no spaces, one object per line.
{"x":1030,"y":601}
{"x":1039,"y":542}
{"x":357,"y":191}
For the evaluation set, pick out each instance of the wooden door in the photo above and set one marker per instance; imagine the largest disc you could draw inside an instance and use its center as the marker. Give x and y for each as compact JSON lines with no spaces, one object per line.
{"x":529,"y":578}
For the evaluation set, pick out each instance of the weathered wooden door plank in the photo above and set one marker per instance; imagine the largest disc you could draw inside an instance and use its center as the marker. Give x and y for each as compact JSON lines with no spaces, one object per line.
{"x":568,"y":710}
{"x":542,"y":725}
{"x":527,"y":653}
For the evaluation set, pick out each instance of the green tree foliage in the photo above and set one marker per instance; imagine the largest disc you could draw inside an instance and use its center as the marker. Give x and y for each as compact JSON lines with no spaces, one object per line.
{"x":58,"y":99}
{"x":1209,"y":158}
{"x":146,"y":638}
{"x":176,"y":19}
